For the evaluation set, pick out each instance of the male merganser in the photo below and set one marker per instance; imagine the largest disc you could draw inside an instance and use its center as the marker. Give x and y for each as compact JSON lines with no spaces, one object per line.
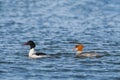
{"x":32,"y":52}
{"x":79,"y":49}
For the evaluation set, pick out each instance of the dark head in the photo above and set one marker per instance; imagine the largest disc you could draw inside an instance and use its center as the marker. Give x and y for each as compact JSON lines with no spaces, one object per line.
{"x":31,"y":44}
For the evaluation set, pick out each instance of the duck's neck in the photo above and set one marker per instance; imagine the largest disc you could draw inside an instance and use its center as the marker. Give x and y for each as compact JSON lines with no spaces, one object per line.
{"x":32,"y":51}
{"x":79,"y":53}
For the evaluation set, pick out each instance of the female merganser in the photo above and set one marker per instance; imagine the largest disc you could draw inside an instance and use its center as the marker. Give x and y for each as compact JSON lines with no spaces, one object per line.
{"x":79,"y":53}
{"x":32,"y":52}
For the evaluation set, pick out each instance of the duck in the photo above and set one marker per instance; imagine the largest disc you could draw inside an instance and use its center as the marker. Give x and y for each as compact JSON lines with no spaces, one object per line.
{"x":79,"y":48}
{"x":32,"y":52}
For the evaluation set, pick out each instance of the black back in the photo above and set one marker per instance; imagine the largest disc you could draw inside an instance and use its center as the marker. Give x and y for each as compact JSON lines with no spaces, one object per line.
{"x":40,"y":54}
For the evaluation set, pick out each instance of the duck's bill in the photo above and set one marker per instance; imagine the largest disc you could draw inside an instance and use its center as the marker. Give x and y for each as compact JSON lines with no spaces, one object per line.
{"x":74,"y":48}
{"x":25,"y":43}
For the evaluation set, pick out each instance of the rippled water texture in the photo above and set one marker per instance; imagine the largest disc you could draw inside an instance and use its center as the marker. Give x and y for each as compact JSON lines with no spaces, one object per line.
{"x":57,"y":26}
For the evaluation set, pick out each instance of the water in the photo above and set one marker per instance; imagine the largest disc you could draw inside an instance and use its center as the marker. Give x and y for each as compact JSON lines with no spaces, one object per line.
{"x":57,"y":26}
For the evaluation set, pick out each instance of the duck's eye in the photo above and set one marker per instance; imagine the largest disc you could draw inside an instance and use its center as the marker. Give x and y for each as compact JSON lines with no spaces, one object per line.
{"x":76,"y":46}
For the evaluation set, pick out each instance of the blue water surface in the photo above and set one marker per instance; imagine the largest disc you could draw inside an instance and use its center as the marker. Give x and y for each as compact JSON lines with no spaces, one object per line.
{"x":57,"y":26}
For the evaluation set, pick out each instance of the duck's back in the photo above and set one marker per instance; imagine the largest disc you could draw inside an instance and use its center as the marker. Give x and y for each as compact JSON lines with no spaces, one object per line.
{"x":87,"y":54}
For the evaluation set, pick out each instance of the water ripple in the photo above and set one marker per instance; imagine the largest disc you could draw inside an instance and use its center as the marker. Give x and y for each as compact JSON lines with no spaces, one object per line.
{"x":56,"y":27}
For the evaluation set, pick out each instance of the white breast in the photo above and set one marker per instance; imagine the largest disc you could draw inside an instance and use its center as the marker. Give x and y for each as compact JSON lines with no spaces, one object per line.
{"x":32,"y":52}
{"x":33,"y":55}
